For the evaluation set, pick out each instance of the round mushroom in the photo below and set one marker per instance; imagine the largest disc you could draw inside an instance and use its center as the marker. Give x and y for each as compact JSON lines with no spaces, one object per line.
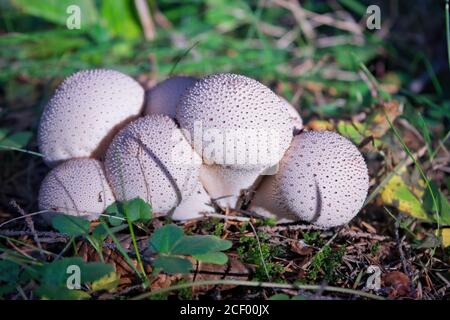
{"x":151,"y":159}
{"x":294,"y":116}
{"x":76,"y":187}
{"x":85,"y":112}
{"x":239,"y":127}
{"x":322,"y":179}
{"x":164,"y":97}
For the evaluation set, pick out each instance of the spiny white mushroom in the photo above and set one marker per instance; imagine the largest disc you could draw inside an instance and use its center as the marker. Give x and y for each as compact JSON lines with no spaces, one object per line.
{"x":87,"y":109}
{"x":322,"y":179}
{"x":164,"y":97}
{"x":294,"y":115}
{"x":76,"y":187}
{"x":239,"y":127}
{"x":151,"y":159}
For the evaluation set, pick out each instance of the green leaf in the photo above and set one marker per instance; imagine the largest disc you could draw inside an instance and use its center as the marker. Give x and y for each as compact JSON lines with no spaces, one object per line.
{"x":3,"y":133}
{"x":279,"y":296}
{"x":56,"y":273}
{"x":56,"y":10}
{"x":171,"y":241}
{"x":138,"y":210}
{"x":298,"y":297}
{"x":212,"y":257}
{"x":119,"y":19}
{"x":198,"y":245}
{"x":282,"y":296}
{"x":115,"y":210}
{"x":94,"y":271}
{"x":6,"y":289}
{"x":397,"y":193}
{"x":16,"y":140}
{"x":71,"y":225}
{"x":100,"y":233}
{"x":354,"y":6}
{"x":165,"y":238}
{"x":443,"y":206}
{"x":171,"y":264}
{"x":108,"y":282}
{"x":9,"y":271}
{"x":352,"y":130}
{"x":60,"y":293}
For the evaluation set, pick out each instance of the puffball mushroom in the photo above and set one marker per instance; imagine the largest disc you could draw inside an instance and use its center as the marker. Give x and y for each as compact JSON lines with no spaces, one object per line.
{"x":164,"y":97}
{"x":151,"y":159}
{"x":322,"y":179}
{"x":293,"y":115}
{"x":76,"y":187}
{"x":239,"y":127}
{"x":85,"y":112}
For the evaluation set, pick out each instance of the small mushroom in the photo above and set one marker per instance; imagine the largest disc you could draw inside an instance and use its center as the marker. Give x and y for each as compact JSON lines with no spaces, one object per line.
{"x":85,"y":112}
{"x":76,"y":187}
{"x":151,"y":159}
{"x":244,"y":130}
{"x":164,"y":97}
{"x":322,"y":179}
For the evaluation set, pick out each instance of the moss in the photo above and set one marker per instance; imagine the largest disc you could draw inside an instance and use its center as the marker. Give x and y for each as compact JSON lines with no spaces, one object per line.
{"x":325,"y":262}
{"x":259,"y":254}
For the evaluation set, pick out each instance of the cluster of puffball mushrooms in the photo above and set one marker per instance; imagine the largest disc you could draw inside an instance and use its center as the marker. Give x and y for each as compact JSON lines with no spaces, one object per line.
{"x":107,"y":139}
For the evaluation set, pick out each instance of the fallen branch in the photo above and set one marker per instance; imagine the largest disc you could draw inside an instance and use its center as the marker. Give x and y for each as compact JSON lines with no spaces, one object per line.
{"x":259,"y":285}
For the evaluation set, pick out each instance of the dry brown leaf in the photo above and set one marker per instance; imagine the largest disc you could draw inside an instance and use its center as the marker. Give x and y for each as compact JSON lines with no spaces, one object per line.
{"x":398,"y":284}
{"x":233,"y":270}
{"x":379,"y":124}
{"x":368,"y":227}
{"x":301,"y":249}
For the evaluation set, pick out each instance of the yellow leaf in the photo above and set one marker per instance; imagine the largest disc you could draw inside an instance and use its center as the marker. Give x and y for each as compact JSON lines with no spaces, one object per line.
{"x":396,"y":193}
{"x":445,"y":234}
{"x":355,"y":131}
{"x":320,"y":125}
{"x":108,"y":282}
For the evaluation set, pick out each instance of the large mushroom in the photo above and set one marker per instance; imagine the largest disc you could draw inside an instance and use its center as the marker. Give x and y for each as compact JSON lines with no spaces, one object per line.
{"x":164,"y":97}
{"x":294,"y":116}
{"x":239,"y":127}
{"x":76,"y":187}
{"x":85,"y":112}
{"x":151,"y":159}
{"x":322,"y":179}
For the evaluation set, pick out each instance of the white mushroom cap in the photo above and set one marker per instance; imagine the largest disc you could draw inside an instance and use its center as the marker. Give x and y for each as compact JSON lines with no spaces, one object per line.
{"x":87,"y":109}
{"x":243,"y":126}
{"x":151,"y":159}
{"x":294,"y":115}
{"x":164,"y":97}
{"x":322,"y":179}
{"x":76,"y":187}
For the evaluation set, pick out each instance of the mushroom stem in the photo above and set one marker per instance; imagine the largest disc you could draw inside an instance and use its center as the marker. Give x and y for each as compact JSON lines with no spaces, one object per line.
{"x":264,"y":205}
{"x":225,"y":184}
{"x":193,"y":206}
